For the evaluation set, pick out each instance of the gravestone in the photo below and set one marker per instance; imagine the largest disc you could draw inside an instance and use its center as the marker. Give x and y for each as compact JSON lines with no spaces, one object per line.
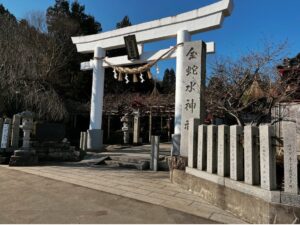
{"x":1,"y":129}
{"x":251,"y":151}
{"x":84,"y":141}
{"x":223,"y":151}
{"x":193,"y":83}
{"x":236,"y":153}
{"x":202,"y":147}
{"x":155,"y":140}
{"x":212,"y":153}
{"x":267,"y":157}
{"x":5,"y":134}
{"x":81,"y":140}
{"x":15,"y":134}
{"x":193,"y":142}
{"x":290,"y":157}
{"x":298,"y":131}
{"x":136,"y":128}
{"x":4,"y":157}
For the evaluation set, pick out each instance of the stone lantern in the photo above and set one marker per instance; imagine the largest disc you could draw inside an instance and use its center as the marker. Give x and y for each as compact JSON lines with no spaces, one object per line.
{"x":27,"y":127}
{"x":126,"y":128}
{"x":26,"y":156}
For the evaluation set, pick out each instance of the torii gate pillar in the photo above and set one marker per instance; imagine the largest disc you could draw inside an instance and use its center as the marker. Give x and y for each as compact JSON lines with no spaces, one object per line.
{"x":95,"y":133}
{"x":182,"y":36}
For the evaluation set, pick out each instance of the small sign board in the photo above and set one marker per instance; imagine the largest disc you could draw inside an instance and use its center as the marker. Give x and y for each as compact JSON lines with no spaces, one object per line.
{"x":4,"y":139}
{"x":84,"y":66}
{"x":131,"y":47}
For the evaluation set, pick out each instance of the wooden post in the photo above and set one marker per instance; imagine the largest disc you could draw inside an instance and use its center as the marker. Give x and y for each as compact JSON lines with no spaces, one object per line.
{"x":150,"y":124}
{"x":154,"y":153}
{"x":108,"y":127}
{"x":169,"y":128}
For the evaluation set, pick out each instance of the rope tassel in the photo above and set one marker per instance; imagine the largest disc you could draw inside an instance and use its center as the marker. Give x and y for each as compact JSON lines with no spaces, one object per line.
{"x":120,"y":77}
{"x":149,"y":74}
{"x":135,"y":79}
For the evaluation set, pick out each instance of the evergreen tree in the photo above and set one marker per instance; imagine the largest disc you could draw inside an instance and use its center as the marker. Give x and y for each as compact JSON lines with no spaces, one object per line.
{"x":63,"y":22}
{"x":172,"y":81}
{"x":5,"y":12}
{"x":165,"y":82}
{"x":125,"y":22}
{"x":169,"y":81}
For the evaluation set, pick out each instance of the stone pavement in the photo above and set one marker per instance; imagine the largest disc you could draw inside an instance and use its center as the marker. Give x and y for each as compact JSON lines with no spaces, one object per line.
{"x":31,"y":199}
{"x":145,"y":186}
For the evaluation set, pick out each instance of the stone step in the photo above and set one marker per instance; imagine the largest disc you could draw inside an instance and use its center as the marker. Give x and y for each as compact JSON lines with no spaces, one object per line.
{"x":143,"y":165}
{"x":129,"y":159}
{"x":133,"y":159}
{"x":97,"y":161}
{"x":30,"y":160}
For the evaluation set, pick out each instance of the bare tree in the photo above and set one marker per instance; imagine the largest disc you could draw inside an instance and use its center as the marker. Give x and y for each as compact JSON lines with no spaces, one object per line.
{"x":250,"y":85}
{"x":29,"y":61}
{"x":37,"y":19}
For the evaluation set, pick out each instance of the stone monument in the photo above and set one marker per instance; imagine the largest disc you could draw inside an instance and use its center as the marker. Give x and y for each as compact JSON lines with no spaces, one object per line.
{"x":4,"y":138}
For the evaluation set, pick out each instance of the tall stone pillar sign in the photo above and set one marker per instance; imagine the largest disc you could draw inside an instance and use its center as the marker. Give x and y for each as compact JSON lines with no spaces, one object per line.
{"x":193,"y":83}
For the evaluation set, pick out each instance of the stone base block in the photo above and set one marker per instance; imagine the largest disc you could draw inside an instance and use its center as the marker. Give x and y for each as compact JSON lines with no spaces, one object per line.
{"x":23,"y":158}
{"x":95,"y":140}
{"x":175,"y":144}
{"x":23,"y":161}
{"x":24,"y":153}
{"x":290,"y":199}
{"x":256,"y":191}
{"x":246,"y":206}
{"x":207,"y":176}
{"x":177,"y":162}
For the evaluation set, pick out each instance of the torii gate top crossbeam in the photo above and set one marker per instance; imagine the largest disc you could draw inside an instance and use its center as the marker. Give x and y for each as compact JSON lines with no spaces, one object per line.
{"x":199,"y":20}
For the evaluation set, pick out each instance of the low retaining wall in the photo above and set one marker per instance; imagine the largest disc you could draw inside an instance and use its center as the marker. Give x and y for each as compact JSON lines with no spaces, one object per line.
{"x":248,"y":207}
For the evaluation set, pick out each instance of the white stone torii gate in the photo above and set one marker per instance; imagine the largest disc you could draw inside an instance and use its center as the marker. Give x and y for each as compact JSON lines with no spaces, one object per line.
{"x":181,"y":26}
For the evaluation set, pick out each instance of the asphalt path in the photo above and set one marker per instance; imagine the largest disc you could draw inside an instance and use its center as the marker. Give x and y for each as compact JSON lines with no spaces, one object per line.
{"x":31,"y":199}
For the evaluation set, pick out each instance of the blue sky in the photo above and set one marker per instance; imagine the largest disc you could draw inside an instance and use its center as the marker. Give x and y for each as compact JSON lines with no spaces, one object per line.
{"x":251,"y":21}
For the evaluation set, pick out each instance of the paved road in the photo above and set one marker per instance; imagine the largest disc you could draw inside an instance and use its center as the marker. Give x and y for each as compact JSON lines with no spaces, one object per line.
{"x":27,"y":198}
